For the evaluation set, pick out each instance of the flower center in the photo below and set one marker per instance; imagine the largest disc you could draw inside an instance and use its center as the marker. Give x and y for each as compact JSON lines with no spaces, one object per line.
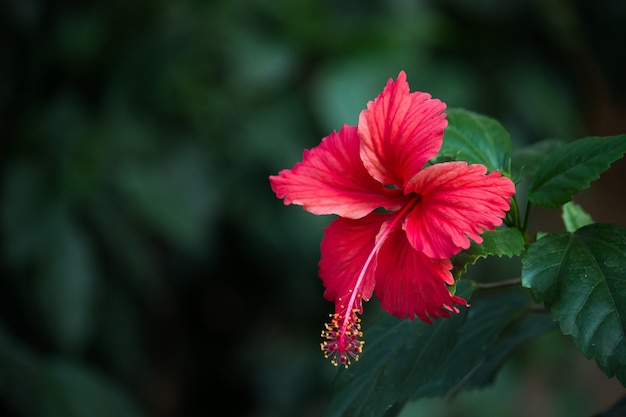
{"x":342,"y":334}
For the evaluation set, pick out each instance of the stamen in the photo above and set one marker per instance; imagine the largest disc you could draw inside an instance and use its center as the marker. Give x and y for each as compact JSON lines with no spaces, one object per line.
{"x":342,"y":334}
{"x":342,"y":344}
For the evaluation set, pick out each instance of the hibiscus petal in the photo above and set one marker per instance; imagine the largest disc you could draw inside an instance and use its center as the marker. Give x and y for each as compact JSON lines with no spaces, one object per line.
{"x":347,"y":257}
{"x":399,"y":132}
{"x":458,"y":202}
{"x":331,"y":179}
{"x":409,"y":284}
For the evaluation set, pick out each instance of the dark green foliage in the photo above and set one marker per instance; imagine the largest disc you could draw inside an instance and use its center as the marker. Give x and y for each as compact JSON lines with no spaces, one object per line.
{"x":476,"y":139}
{"x":401,"y":356}
{"x":581,"y":277}
{"x":407,"y":360}
{"x":526,"y":160}
{"x":500,"y":242}
{"x":572,"y":168}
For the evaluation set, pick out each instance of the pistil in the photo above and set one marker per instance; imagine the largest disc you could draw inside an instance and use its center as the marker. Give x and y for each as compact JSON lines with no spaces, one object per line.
{"x":342,"y":334}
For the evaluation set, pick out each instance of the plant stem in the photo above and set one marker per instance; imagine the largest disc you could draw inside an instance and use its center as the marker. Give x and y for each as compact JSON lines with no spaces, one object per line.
{"x":498,"y":284}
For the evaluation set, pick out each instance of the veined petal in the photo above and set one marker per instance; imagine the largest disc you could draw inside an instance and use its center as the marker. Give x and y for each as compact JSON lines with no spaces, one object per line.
{"x":409,"y":284}
{"x":349,"y":259}
{"x":399,"y":132}
{"x":458,"y":202}
{"x":331,"y":179}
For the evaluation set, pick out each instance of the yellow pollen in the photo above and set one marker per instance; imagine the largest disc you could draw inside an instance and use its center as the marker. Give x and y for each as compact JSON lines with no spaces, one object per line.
{"x":342,"y":344}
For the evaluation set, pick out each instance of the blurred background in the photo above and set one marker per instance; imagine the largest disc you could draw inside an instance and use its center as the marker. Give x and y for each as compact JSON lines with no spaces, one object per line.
{"x":148,"y":269}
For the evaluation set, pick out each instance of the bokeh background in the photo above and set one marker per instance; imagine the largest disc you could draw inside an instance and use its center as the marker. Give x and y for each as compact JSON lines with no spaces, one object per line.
{"x":148,"y":269}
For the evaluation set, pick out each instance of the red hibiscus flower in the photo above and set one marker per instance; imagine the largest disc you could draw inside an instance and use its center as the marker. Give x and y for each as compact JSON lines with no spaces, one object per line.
{"x":399,"y":221}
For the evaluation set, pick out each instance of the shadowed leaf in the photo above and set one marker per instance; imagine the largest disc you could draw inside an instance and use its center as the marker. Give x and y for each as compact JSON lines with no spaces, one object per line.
{"x":573,"y":168}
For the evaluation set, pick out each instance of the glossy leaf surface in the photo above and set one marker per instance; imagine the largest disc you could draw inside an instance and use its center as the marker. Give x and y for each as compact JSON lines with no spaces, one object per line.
{"x":476,"y":139}
{"x":581,"y":278}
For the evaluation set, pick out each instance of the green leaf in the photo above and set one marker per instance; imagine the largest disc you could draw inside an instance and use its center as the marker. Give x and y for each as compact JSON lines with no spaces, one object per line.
{"x":574,"y":217}
{"x":482,"y":348}
{"x":476,"y":139}
{"x":526,"y":161}
{"x":500,"y":242}
{"x":520,"y":331}
{"x":581,"y":277}
{"x":573,"y":168}
{"x":398,"y":357}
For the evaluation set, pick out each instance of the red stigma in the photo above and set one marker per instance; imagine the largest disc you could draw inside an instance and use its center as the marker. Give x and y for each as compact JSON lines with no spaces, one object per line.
{"x":342,"y":344}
